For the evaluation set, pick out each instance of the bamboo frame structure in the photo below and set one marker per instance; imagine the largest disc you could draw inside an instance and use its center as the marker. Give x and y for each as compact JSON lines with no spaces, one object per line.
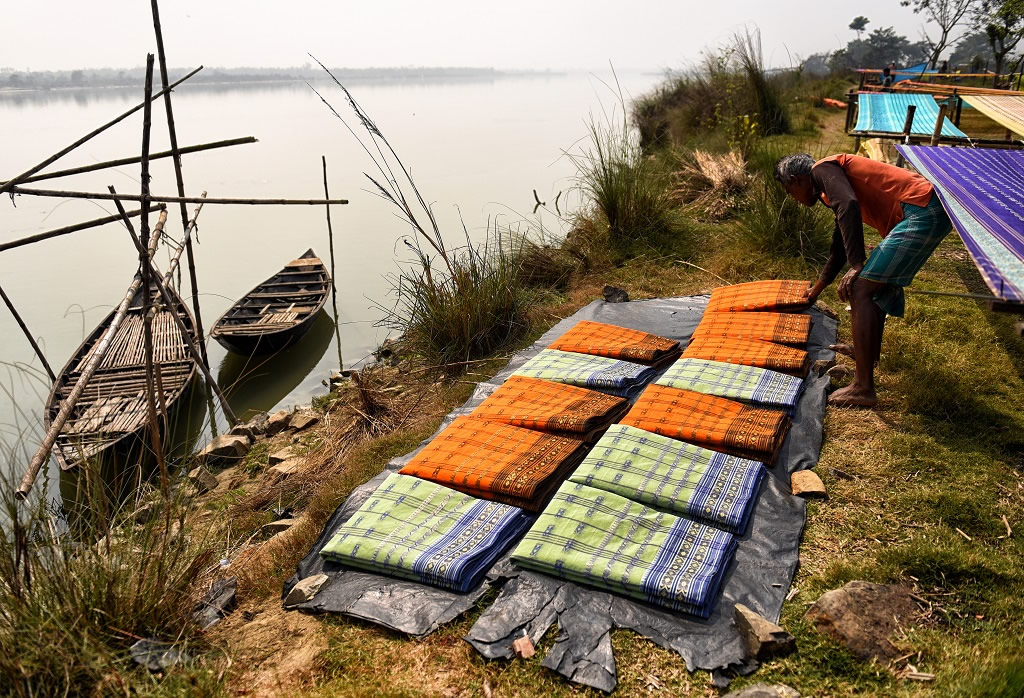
{"x":147,"y":277}
{"x":174,"y":199}
{"x":120,"y":162}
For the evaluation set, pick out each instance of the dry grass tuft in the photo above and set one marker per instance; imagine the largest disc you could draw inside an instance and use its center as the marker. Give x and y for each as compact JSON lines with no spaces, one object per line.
{"x":711,"y":185}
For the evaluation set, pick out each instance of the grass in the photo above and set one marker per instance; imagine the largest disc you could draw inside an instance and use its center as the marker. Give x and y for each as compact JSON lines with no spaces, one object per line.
{"x":73,"y":601}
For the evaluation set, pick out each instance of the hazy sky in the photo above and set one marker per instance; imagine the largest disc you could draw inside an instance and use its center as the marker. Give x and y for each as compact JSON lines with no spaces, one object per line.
{"x":533,"y":34}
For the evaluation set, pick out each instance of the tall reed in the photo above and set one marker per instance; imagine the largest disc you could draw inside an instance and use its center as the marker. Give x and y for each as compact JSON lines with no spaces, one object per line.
{"x":452,"y":304}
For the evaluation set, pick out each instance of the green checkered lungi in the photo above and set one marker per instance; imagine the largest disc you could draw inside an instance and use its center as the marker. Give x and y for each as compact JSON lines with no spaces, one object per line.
{"x":904,"y":251}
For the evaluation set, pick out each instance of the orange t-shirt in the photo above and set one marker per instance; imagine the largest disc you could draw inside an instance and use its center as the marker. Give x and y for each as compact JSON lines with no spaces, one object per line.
{"x":881,"y":188}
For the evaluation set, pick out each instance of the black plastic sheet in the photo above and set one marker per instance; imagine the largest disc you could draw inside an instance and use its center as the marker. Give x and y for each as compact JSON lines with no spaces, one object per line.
{"x":759,"y":576}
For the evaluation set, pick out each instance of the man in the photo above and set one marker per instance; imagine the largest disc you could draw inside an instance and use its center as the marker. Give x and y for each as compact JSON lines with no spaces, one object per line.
{"x":908,"y":215}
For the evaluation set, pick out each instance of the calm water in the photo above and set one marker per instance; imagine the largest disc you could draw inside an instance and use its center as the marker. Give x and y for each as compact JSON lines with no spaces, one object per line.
{"x":478,"y":148}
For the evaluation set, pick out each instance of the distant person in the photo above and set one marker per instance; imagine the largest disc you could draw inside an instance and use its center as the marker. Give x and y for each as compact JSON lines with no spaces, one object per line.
{"x":944,"y":68}
{"x":886,"y":77}
{"x":904,"y":209}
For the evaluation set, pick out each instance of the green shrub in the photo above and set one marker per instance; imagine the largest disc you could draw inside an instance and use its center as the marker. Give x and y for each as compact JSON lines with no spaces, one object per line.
{"x":467,"y":308}
{"x":630,"y":190}
{"x":774,"y":223}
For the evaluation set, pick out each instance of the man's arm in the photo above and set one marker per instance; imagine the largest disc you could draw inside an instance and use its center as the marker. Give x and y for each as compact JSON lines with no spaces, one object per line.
{"x":830,"y":179}
{"x":836,"y":261}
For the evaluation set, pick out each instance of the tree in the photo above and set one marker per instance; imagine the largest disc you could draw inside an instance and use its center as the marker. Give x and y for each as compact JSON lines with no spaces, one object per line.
{"x":1003,"y":23}
{"x":946,"y":14}
{"x":858,"y":24}
{"x":881,"y":47}
{"x":973,"y":49}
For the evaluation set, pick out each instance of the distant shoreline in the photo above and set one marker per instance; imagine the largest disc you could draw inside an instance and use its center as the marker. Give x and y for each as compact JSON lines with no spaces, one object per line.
{"x":21,"y":82}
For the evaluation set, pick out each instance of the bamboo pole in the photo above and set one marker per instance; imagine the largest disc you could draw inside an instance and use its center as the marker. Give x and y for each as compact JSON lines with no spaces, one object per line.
{"x":908,"y":124}
{"x":71,"y":229}
{"x":334,"y":289}
{"x":28,"y":335}
{"x":96,"y":358}
{"x":145,"y":262}
{"x":175,"y":199}
{"x":9,"y":184}
{"x":179,"y":180}
{"x":161,"y":286}
{"x":135,"y":160}
{"x":937,"y":132}
{"x":173,"y":266}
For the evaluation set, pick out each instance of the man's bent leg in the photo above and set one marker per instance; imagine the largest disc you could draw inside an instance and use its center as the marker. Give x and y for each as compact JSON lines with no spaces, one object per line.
{"x":868,"y":321}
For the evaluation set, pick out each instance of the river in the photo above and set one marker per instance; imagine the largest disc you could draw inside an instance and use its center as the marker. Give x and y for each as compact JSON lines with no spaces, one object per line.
{"x":476,"y":148}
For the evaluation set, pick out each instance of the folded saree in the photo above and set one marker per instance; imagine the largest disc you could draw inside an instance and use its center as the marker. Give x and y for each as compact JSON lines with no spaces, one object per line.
{"x":750,"y":352}
{"x":414,"y":529}
{"x":707,"y":486}
{"x":781,"y":328}
{"x":713,"y":422}
{"x":760,"y":295}
{"x":614,"y":376}
{"x":491,"y":460}
{"x":548,"y":406}
{"x":600,"y":339}
{"x":758,"y":386}
{"x":600,"y":539}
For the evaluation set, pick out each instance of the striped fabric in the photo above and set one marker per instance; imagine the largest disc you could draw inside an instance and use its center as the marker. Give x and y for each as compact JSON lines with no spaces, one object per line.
{"x":612,"y":376}
{"x":713,"y":422}
{"x":750,"y":352}
{"x":603,"y":540}
{"x":414,"y":529}
{"x":710,"y":487}
{"x":981,"y":189}
{"x":886,"y":112}
{"x":781,"y":328}
{"x":757,"y":386}
{"x":600,"y":339}
{"x":497,"y":461}
{"x":1006,"y":109}
{"x":781,"y":295}
{"x":547,"y":406}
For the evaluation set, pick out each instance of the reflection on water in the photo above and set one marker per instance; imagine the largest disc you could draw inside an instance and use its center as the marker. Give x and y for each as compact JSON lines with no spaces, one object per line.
{"x":258,"y":383}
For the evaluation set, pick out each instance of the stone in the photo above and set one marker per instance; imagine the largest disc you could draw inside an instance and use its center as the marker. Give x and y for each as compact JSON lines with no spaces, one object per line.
{"x":285,"y":468}
{"x":218,"y":602}
{"x":156,"y":655}
{"x":863,"y":616}
{"x":278,"y":422}
{"x":303,"y":420}
{"x":615,"y":295}
{"x":523,"y":647}
{"x":764,"y":690}
{"x":281,"y":455}
{"x":225,"y":448}
{"x":203,"y":480}
{"x":275,"y":527}
{"x":807,"y":484}
{"x":839,"y":372}
{"x":306,"y":589}
{"x":821,"y":366}
{"x":764,"y":639}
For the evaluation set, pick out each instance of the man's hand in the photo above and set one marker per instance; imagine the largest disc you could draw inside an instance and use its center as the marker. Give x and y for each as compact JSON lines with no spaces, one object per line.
{"x":812,"y":291}
{"x":846,"y":283}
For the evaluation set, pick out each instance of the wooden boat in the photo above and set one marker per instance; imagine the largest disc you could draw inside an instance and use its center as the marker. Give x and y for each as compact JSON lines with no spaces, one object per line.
{"x":278,"y":311}
{"x":109,"y":419}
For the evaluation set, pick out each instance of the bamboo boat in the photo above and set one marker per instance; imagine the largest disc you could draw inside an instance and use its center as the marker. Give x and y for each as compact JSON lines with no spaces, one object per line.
{"x":108,"y":421}
{"x":278,"y":311}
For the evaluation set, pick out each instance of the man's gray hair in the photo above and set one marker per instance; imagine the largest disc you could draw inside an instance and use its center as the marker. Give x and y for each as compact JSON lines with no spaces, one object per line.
{"x":792,"y":166}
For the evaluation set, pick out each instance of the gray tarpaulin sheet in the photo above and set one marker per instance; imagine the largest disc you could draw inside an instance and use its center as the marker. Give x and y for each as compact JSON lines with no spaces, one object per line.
{"x":759,"y":576}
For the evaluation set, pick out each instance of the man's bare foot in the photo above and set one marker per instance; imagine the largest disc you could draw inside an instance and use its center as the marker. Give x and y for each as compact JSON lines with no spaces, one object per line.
{"x":853,"y":396}
{"x":842,"y":348}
